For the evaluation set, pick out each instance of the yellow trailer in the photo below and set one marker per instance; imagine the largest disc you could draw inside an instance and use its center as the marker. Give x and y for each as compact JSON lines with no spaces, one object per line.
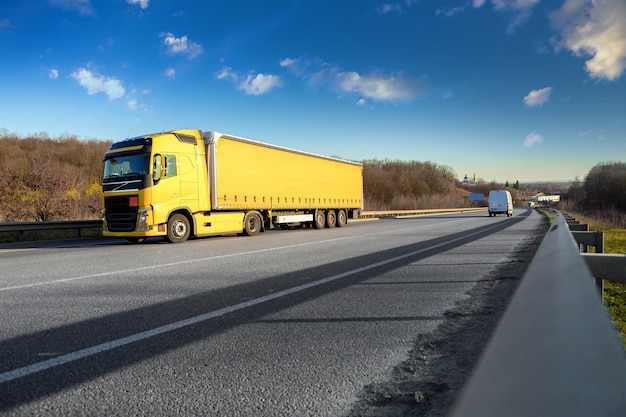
{"x":187,"y":182}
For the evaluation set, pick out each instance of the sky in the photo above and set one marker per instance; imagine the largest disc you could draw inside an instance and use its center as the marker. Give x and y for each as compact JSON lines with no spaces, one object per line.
{"x":499,"y":90}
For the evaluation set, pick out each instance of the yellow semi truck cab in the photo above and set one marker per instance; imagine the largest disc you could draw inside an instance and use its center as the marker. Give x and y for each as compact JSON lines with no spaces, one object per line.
{"x":186,"y":183}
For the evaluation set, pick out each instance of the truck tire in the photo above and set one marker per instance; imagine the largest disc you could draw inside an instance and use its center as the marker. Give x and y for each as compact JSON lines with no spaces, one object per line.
{"x":252,"y":223}
{"x":342,"y":218}
{"x":331,"y":219}
{"x":319,"y":219}
{"x":178,"y":228}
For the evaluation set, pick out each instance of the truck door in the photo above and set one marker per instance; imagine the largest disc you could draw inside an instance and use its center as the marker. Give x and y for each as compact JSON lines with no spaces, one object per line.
{"x":166,"y":190}
{"x":188,"y":183}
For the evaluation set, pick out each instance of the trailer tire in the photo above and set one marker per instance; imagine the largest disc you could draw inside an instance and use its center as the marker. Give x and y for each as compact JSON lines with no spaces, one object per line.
{"x":319,"y":219}
{"x":331,"y":219}
{"x":252,"y":223}
{"x":342,"y":218}
{"x":178,"y":228}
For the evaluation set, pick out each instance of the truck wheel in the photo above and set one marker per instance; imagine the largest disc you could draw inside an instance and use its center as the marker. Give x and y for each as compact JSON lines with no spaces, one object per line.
{"x":319,"y":220}
{"x":331,"y":219}
{"x":342,"y":218}
{"x":178,"y":228}
{"x":252,"y":223}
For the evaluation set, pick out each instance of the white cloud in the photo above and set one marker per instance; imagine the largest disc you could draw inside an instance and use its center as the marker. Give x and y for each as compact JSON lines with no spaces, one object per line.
{"x":595,"y":29}
{"x":81,"y":6}
{"x":287,"y":62}
{"x":181,"y":45}
{"x":251,"y":84}
{"x":388,"y":8}
{"x":95,"y":83}
{"x":373,"y":86}
{"x":259,"y":84}
{"x":538,"y":97}
{"x":227,"y":73}
{"x":532,"y":140}
{"x":449,"y":11}
{"x":53,"y":74}
{"x":170,"y":72}
{"x":361,"y":102}
{"x":142,"y":3}
{"x":132,"y":104}
{"x":520,"y":9}
{"x":396,"y":7}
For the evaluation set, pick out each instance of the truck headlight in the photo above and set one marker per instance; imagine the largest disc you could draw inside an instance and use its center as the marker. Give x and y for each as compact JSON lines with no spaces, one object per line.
{"x":143,"y":217}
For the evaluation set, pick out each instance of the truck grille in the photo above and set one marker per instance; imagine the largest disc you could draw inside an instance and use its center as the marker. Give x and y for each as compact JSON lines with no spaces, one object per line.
{"x":120,"y":216}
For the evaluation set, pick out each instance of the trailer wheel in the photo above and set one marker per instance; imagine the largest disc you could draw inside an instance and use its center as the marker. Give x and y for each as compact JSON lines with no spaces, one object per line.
{"x":319,"y":220}
{"x":342,"y":218}
{"x":178,"y":228}
{"x":252,"y":223}
{"x":331,"y":219}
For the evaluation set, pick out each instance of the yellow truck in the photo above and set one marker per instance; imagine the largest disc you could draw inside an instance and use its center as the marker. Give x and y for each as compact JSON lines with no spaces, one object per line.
{"x":186,"y":183}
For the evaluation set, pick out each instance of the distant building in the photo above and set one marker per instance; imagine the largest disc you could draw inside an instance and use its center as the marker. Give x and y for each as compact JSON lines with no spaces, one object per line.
{"x":542,"y":198}
{"x":466,"y":180}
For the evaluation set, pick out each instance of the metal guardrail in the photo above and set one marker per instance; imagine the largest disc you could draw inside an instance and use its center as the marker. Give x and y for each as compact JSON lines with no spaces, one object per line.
{"x":603,"y":266}
{"x":555,"y":351}
{"x":78,"y":225}
{"x":403,"y":213}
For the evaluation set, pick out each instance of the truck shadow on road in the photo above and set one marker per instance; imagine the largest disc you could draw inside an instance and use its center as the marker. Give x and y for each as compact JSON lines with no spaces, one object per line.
{"x":23,"y":380}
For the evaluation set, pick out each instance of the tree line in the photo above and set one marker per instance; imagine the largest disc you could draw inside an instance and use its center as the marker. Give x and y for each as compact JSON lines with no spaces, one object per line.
{"x":601,"y":194}
{"x":44,"y":178}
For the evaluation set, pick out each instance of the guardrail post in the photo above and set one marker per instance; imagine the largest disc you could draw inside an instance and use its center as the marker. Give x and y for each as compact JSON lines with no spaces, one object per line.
{"x":595,"y":239}
{"x":578,"y":227}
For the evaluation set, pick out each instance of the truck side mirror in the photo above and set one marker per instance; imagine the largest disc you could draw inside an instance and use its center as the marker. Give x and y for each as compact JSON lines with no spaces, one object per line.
{"x":158,"y":167}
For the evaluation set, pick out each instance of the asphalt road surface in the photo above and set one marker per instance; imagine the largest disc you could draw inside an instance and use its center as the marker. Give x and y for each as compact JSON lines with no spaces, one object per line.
{"x":380,"y":317}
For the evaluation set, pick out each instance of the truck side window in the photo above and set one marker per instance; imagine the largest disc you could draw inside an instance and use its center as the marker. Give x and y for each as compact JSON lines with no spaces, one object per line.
{"x":170,"y":166}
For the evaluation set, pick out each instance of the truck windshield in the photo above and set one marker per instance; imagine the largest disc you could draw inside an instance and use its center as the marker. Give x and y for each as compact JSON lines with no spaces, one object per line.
{"x":127,"y":166}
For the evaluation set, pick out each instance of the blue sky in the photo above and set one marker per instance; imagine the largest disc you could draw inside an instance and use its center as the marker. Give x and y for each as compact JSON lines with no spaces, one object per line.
{"x":505,"y":90}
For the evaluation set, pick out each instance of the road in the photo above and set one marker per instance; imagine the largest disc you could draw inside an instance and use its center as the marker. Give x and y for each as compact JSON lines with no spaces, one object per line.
{"x":287,"y":323}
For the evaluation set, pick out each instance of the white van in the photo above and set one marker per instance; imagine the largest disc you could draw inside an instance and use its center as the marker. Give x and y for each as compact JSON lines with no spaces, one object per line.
{"x":500,"y":202}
